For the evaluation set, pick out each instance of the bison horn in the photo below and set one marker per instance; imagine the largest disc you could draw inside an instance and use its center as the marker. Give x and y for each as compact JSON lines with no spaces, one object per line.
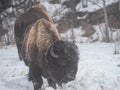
{"x":52,"y":53}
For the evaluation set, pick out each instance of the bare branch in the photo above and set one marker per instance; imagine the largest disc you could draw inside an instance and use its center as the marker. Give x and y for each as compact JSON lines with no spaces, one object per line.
{"x":18,"y":4}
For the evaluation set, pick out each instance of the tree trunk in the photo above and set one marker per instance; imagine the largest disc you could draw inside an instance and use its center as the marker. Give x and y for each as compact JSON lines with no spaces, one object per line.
{"x":106,"y":21}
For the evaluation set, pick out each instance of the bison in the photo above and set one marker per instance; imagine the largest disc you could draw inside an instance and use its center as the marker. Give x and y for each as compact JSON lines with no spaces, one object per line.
{"x":25,"y":20}
{"x":40,"y":46}
{"x":47,"y":55}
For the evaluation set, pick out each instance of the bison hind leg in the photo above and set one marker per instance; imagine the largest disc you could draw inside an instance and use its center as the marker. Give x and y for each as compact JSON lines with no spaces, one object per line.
{"x":51,"y":83}
{"x":20,"y":56}
{"x":19,"y":51}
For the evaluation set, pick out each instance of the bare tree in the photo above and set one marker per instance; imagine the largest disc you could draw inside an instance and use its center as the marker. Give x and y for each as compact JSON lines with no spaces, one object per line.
{"x":106,"y":21}
{"x":106,"y":38}
{"x":114,"y":25}
{"x":16,"y":8}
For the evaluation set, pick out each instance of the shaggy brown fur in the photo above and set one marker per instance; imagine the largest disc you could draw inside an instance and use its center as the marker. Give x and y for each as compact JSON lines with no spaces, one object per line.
{"x":25,"y":20}
{"x":37,"y":40}
{"x":41,"y":35}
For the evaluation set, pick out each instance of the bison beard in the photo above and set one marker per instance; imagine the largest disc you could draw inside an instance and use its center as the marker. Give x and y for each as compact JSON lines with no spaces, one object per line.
{"x":62,"y":59}
{"x":60,"y":64}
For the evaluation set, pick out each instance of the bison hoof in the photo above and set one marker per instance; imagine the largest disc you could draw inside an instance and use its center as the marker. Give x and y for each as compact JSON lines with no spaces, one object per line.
{"x":52,"y":83}
{"x":37,"y":86}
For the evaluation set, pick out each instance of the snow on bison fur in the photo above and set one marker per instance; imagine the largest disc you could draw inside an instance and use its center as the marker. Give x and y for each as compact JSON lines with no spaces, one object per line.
{"x":47,"y":55}
{"x":25,"y":20}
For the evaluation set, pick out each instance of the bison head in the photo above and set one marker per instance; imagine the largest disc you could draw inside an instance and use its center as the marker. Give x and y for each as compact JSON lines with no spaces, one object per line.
{"x":62,"y":61}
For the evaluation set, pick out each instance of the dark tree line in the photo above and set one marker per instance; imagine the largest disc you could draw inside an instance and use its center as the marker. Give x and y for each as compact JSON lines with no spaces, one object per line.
{"x":20,"y":6}
{"x":68,"y":20}
{"x":6,"y":16}
{"x":106,"y":14}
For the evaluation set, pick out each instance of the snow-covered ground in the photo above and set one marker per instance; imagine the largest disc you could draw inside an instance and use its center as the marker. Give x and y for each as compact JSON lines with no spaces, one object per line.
{"x":98,"y":70}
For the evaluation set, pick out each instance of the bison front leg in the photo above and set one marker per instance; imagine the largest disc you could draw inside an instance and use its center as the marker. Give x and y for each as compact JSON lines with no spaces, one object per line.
{"x":35,"y":75}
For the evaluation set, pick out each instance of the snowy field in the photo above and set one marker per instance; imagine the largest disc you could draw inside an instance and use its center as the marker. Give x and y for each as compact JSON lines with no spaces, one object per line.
{"x":98,"y":70}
